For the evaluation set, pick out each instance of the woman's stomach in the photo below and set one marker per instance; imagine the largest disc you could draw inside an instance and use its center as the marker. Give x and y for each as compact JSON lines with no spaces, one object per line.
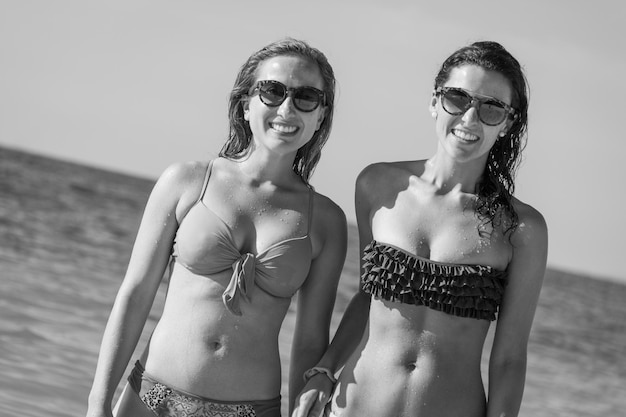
{"x":199,"y":346}
{"x":413,"y":361}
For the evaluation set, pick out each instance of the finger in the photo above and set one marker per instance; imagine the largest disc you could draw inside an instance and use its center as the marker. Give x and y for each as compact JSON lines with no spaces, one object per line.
{"x":318,"y":408}
{"x":303,"y":404}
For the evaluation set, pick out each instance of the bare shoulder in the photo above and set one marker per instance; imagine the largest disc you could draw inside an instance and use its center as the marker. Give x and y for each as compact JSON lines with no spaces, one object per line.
{"x":532,"y":228}
{"x":329,"y":228}
{"x":525,"y":274}
{"x":327,"y":213}
{"x":184,"y":173}
{"x":181,"y":183}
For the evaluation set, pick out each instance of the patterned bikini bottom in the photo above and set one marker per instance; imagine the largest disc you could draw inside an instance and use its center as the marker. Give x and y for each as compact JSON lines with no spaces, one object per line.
{"x":165,"y":401}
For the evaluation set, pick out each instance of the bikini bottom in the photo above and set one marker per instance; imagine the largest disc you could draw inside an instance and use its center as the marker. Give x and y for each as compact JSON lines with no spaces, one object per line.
{"x":166,"y":401}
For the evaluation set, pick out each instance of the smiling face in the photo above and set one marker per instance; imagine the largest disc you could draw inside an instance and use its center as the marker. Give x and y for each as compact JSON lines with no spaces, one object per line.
{"x":284,"y":129}
{"x":464,"y":137}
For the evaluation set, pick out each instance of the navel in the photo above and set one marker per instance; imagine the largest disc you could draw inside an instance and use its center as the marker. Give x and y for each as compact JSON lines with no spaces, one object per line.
{"x":411,"y":366}
{"x":215,"y":346}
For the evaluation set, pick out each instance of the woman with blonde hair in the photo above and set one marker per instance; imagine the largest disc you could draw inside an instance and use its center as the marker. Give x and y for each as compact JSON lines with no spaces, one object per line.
{"x":245,"y":232}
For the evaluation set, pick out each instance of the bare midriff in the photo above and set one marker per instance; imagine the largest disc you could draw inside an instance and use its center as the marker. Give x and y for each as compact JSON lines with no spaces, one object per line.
{"x":414,"y":361}
{"x":200,"y":347}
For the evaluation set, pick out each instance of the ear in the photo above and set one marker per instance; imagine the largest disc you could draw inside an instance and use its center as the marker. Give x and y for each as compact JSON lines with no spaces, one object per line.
{"x":245,"y":105}
{"x":433,"y":103}
{"x":507,"y":126}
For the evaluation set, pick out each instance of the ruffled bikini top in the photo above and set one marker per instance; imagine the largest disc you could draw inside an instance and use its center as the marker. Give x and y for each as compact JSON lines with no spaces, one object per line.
{"x":204,"y":245}
{"x":393,"y":274}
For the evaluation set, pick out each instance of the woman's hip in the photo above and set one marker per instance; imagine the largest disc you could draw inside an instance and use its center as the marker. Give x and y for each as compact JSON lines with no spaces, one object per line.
{"x":162,"y":399}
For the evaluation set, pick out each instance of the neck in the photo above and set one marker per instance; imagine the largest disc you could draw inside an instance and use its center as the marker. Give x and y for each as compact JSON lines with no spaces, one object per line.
{"x":448,"y":174}
{"x":262,"y":167}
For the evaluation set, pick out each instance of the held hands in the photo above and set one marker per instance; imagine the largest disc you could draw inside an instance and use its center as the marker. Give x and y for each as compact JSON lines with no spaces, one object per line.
{"x":315,"y":394}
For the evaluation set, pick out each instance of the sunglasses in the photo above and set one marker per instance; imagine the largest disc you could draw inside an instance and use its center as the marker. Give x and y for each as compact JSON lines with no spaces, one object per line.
{"x":491,"y":111}
{"x":273,"y":94}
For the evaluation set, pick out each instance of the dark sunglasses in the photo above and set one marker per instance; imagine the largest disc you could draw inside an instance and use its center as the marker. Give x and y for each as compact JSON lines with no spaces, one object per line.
{"x":274,"y":93}
{"x":491,"y":111}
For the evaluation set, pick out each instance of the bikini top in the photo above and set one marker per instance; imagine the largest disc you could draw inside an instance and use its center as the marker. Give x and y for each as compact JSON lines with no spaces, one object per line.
{"x":393,"y":274}
{"x":204,"y":245}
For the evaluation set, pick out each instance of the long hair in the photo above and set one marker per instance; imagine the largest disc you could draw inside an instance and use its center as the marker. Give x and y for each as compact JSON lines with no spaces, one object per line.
{"x":240,"y":135}
{"x":497,"y":185}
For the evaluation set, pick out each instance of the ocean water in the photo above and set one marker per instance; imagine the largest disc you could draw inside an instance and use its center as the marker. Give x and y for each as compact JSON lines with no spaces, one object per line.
{"x":66,"y":232}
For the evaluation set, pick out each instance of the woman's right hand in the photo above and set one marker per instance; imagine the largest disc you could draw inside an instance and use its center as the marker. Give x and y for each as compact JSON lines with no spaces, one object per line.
{"x":314,"y":397}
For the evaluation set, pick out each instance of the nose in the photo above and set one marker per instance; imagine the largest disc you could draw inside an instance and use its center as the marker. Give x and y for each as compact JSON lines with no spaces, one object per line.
{"x":471,"y":114}
{"x":286,"y":107}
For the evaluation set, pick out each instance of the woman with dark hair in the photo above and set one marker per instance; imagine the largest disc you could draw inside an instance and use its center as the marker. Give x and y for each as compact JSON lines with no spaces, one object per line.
{"x":242,"y":234}
{"x":447,"y":249}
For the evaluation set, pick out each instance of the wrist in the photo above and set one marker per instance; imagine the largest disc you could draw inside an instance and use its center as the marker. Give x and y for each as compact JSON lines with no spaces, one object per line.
{"x":310,"y":373}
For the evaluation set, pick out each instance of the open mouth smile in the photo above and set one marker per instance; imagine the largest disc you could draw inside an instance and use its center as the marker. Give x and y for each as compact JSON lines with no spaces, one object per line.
{"x":282,"y":128}
{"x":465,"y":136}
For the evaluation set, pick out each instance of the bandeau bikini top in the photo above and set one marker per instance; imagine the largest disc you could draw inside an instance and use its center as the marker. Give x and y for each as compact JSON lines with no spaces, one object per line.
{"x":393,"y":274}
{"x":204,"y":245}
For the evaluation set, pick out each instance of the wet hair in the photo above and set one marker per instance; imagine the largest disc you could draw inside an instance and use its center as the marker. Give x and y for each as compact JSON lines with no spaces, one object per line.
{"x":497,"y":185}
{"x":240,"y":134}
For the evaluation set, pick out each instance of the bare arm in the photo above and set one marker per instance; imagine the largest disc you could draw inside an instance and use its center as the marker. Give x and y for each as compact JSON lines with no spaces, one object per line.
{"x":136,"y":295}
{"x":507,"y":365}
{"x":317,"y":391}
{"x":316,"y":298}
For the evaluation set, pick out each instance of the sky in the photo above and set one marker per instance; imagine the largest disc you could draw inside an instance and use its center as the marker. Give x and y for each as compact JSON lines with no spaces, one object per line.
{"x":135,"y":85}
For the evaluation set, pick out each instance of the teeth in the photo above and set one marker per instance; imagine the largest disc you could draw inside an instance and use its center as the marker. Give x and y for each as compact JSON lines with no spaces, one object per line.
{"x":464,"y":135}
{"x":284,"y":128}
